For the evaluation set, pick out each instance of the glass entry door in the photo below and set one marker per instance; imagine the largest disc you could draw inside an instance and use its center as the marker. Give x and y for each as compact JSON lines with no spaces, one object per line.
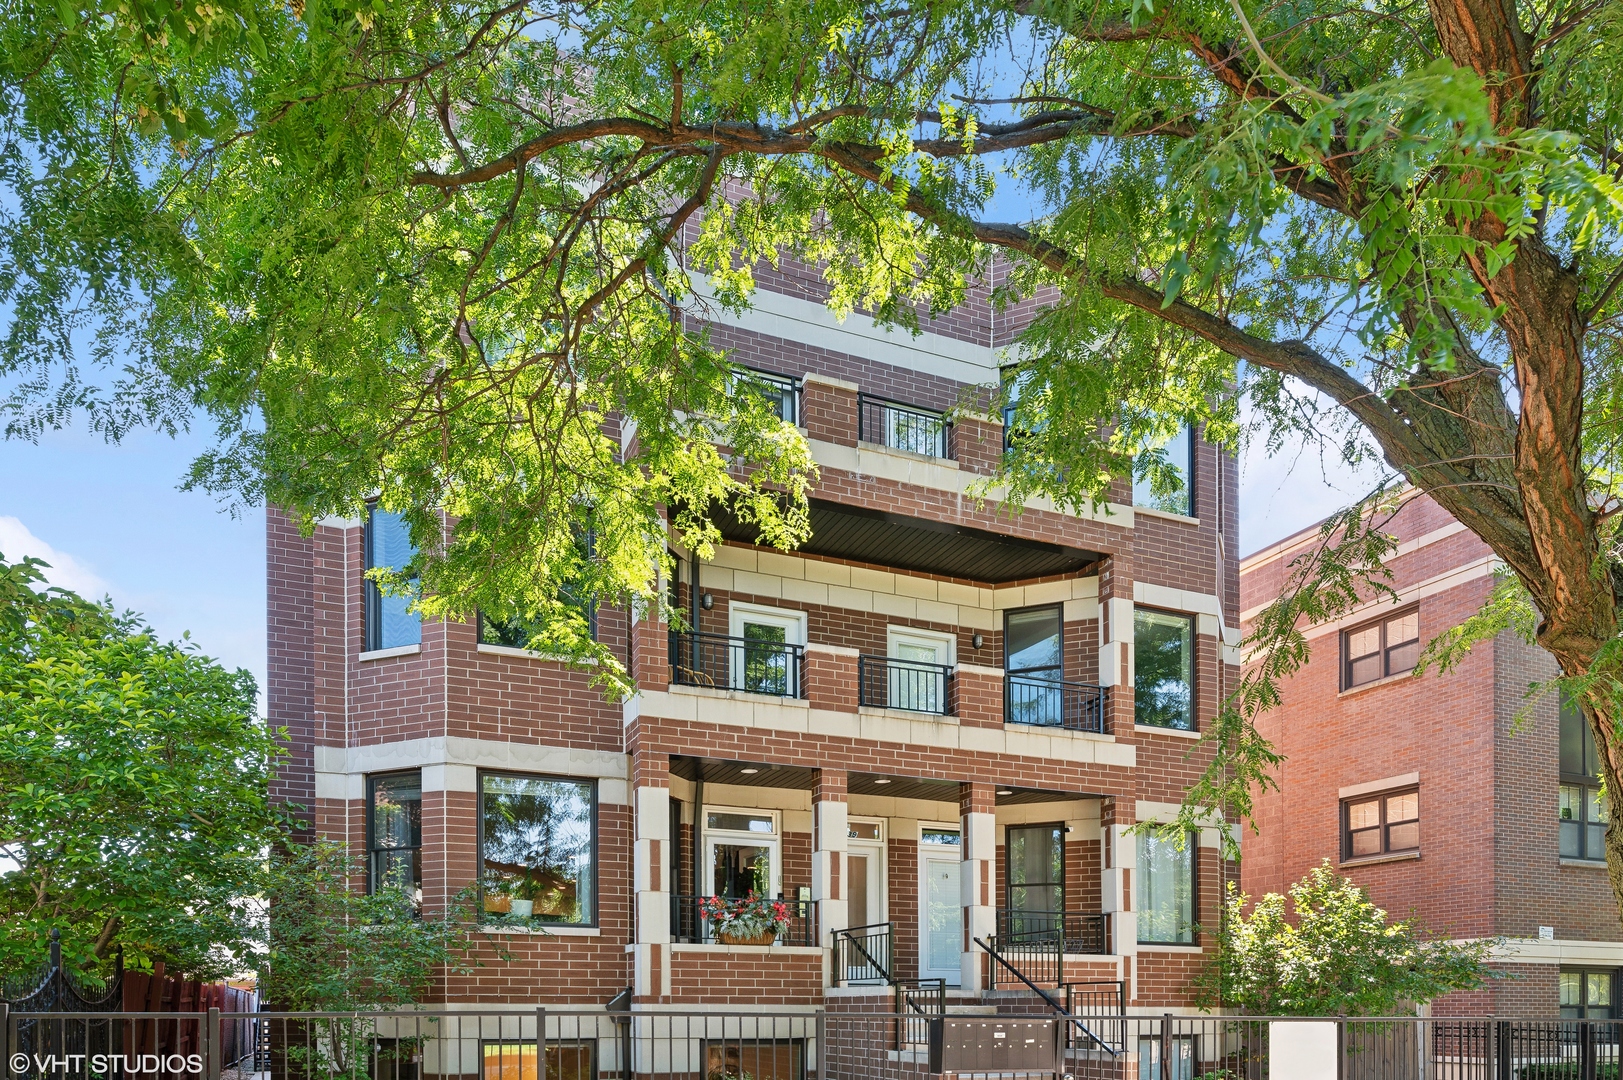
{"x":941,"y":922}
{"x":1036,"y":880}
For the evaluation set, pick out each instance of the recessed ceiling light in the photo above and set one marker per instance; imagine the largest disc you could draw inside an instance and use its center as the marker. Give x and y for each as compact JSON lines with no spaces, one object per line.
{"x":881,"y":780}
{"x":1005,"y":791}
{"x":749,"y":772}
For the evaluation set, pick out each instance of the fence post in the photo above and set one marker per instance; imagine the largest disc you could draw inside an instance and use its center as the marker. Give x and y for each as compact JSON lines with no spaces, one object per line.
{"x":213,"y":1045}
{"x":822,"y":1044}
{"x":1588,"y":1053}
{"x":1502,"y":1050}
{"x":541,"y":1040}
{"x":1166,"y":1046}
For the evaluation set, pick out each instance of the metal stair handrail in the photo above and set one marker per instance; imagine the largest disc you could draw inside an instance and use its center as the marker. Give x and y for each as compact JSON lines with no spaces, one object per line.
{"x":852,"y":942}
{"x":1046,"y":996}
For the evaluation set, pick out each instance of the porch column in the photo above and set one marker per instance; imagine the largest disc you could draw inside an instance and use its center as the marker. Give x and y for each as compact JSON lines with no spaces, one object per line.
{"x":651,"y":807}
{"x":1118,"y":851}
{"x":1116,"y":640}
{"x":828,"y":869}
{"x":977,"y":815}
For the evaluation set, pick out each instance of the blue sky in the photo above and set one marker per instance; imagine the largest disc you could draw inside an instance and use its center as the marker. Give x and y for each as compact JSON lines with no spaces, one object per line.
{"x":112,"y":520}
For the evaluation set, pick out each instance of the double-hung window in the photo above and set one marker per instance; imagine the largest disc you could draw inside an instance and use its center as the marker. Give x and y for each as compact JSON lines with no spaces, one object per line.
{"x":389,"y":623}
{"x":1384,"y":824}
{"x":394,"y":833}
{"x":538,"y":847}
{"x":1165,"y":482}
{"x":1587,"y":995}
{"x":1379,"y":649}
{"x":1163,"y":669}
{"x":1166,"y":890}
{"x":1582,"y":807}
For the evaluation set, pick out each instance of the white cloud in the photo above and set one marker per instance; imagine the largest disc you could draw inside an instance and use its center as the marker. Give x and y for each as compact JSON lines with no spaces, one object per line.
{"x":17,"y":542}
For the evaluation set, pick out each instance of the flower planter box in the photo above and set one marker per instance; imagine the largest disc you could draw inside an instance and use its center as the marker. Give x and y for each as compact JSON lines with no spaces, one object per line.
{"x":764,"y":938}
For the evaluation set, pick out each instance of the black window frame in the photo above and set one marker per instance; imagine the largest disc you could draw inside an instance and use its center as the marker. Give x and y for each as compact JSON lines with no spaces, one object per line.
{"x":1582,"y":771}
{"x":789,"y":387}
{"x":1385,"y":826}
{"x":1612,"y":974}
{"x":1009,"y":884}
{"x":596,"y":785}
{"x":1059,"y":618}
{"x":372,"y":847}
{"x":1189,"y":620}
{"x":1189,"y":481}
{"x":371,"y":595}
{"x":1386,"y":647}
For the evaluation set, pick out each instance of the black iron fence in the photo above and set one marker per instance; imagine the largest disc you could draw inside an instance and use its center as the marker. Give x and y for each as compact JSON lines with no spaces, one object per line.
{"x":918,"y":1003}
{"x":862,"y":954}
{"x":1081,"y":932}
{"x":735,"y":663}
{"x":903,"y":427}
{"x":690,"y":927}
{"x":887,"y":683}
{"x":1045,"y":702}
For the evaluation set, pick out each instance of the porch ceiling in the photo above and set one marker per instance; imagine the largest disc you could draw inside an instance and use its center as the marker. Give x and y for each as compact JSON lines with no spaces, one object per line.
{"x":713,"y":771}
{"x":922,"y":545}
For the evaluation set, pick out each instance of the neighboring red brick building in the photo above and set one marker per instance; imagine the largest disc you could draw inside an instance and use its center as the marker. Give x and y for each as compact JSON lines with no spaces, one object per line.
{"x":922,"y":723}
{"x":1456,"y":797}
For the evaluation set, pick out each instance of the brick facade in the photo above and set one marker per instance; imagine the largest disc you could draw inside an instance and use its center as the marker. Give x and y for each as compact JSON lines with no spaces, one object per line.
{"x":456,"y":711}
{"x":1485,"y":755}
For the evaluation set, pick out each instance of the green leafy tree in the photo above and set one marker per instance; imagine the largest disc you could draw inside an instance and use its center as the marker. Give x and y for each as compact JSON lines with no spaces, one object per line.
{"x":462,"y":254}
{"x":1331,"y":951}
{"x":134,"y":809}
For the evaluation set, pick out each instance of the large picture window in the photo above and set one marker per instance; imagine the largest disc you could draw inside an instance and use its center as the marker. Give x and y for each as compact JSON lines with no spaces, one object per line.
{"x":394,"y":833}
{"x":1164,"y":669}
{"x":754,"y":1059}
{"x":1169,"y":488}
{"x":516,"y":1061}
{"x":538,"y":847}
{"x":1166,"y":890}
{"x":1386,"y":824}
{"x":389,"y":624}
{"x":1582,"y":807}
{"x":1388,"y":646}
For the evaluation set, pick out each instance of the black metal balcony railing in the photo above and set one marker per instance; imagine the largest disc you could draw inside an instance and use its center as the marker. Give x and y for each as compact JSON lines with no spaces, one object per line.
{"x":862,"y":954}
{"x":689,"y":927}
{"x":735,"y":663}
{"x":902,"y":427}
{"x":1081,"y":932}
{"x":782,"y":392}
{"x":886,"y":683}
{"x":1051,"y":702}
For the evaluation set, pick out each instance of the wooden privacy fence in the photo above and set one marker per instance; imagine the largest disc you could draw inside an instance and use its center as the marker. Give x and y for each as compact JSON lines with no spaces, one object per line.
{"x":159,"y":993}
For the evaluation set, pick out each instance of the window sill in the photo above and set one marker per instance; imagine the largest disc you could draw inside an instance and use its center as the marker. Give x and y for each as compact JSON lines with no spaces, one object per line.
{"x":737,"y":695}
{"x":544,"y":931}
{"x":1165,"y":515}
{"x":384,"y":654}
{"x":750,"y":950}
{"x":881,"y":448}
{"x":1586,"y":864}
{"x":528,"y":654}
{"x":1387,"y":681}
{"x":1168,"y":947}
{"x":1153,"y":729}
{"x":1373,"y":860}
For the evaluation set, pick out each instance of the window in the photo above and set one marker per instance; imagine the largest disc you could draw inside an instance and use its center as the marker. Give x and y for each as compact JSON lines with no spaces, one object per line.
{"x":1587,"y":995}
{"x":1163,"y":675}
{"x":940,"y":835}
{"x":781,"y":392}
{"x":1582,"y":807}
{"x":388,"y":546}
{"x":394,"y":833}
{"x":1180,"y":1055}
{"x":1035,"y":879}
{"x":1157,"y":490}
{"x":1033,"y":650}
{"x":538,"y":847}
{"x":516,"y":631}
{"x":754,"y":1059}
{"x":1166,"y":890}
{"x":1378,"y":649}
{"x":1375,"y":825}
{"x":742,"y":852}
{"x":516,"y":1061}
{"x":767,"y":658}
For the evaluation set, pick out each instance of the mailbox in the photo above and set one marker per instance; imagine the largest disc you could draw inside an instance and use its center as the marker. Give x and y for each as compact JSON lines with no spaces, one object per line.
{"x":995,"y":1044}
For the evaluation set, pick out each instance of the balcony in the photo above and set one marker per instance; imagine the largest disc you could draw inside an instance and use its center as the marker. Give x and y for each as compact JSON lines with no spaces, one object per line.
{"x":903,"y":427}
{"x":1043,"y":701}
{"x":734,"y":663}
{"x":887,"y":683}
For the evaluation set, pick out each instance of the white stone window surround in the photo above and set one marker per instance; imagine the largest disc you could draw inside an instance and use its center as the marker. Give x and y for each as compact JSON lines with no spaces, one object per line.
{"x":739,"y":613}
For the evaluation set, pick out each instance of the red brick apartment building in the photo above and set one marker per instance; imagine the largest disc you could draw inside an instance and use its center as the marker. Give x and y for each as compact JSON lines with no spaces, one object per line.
{"x":920,"y":730}
{"x":1451,"y":797}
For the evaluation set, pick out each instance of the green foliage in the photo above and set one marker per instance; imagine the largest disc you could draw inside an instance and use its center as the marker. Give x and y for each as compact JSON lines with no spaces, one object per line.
{"x":133,"y":788}
{"x":1332,"y":952}
{"x":330,"y":946}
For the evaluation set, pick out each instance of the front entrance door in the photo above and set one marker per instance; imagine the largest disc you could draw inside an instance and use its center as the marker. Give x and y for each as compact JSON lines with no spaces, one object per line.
{"x":865,"y":862}
{"x":941,"y":912}
{"x":1036,"y":881}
